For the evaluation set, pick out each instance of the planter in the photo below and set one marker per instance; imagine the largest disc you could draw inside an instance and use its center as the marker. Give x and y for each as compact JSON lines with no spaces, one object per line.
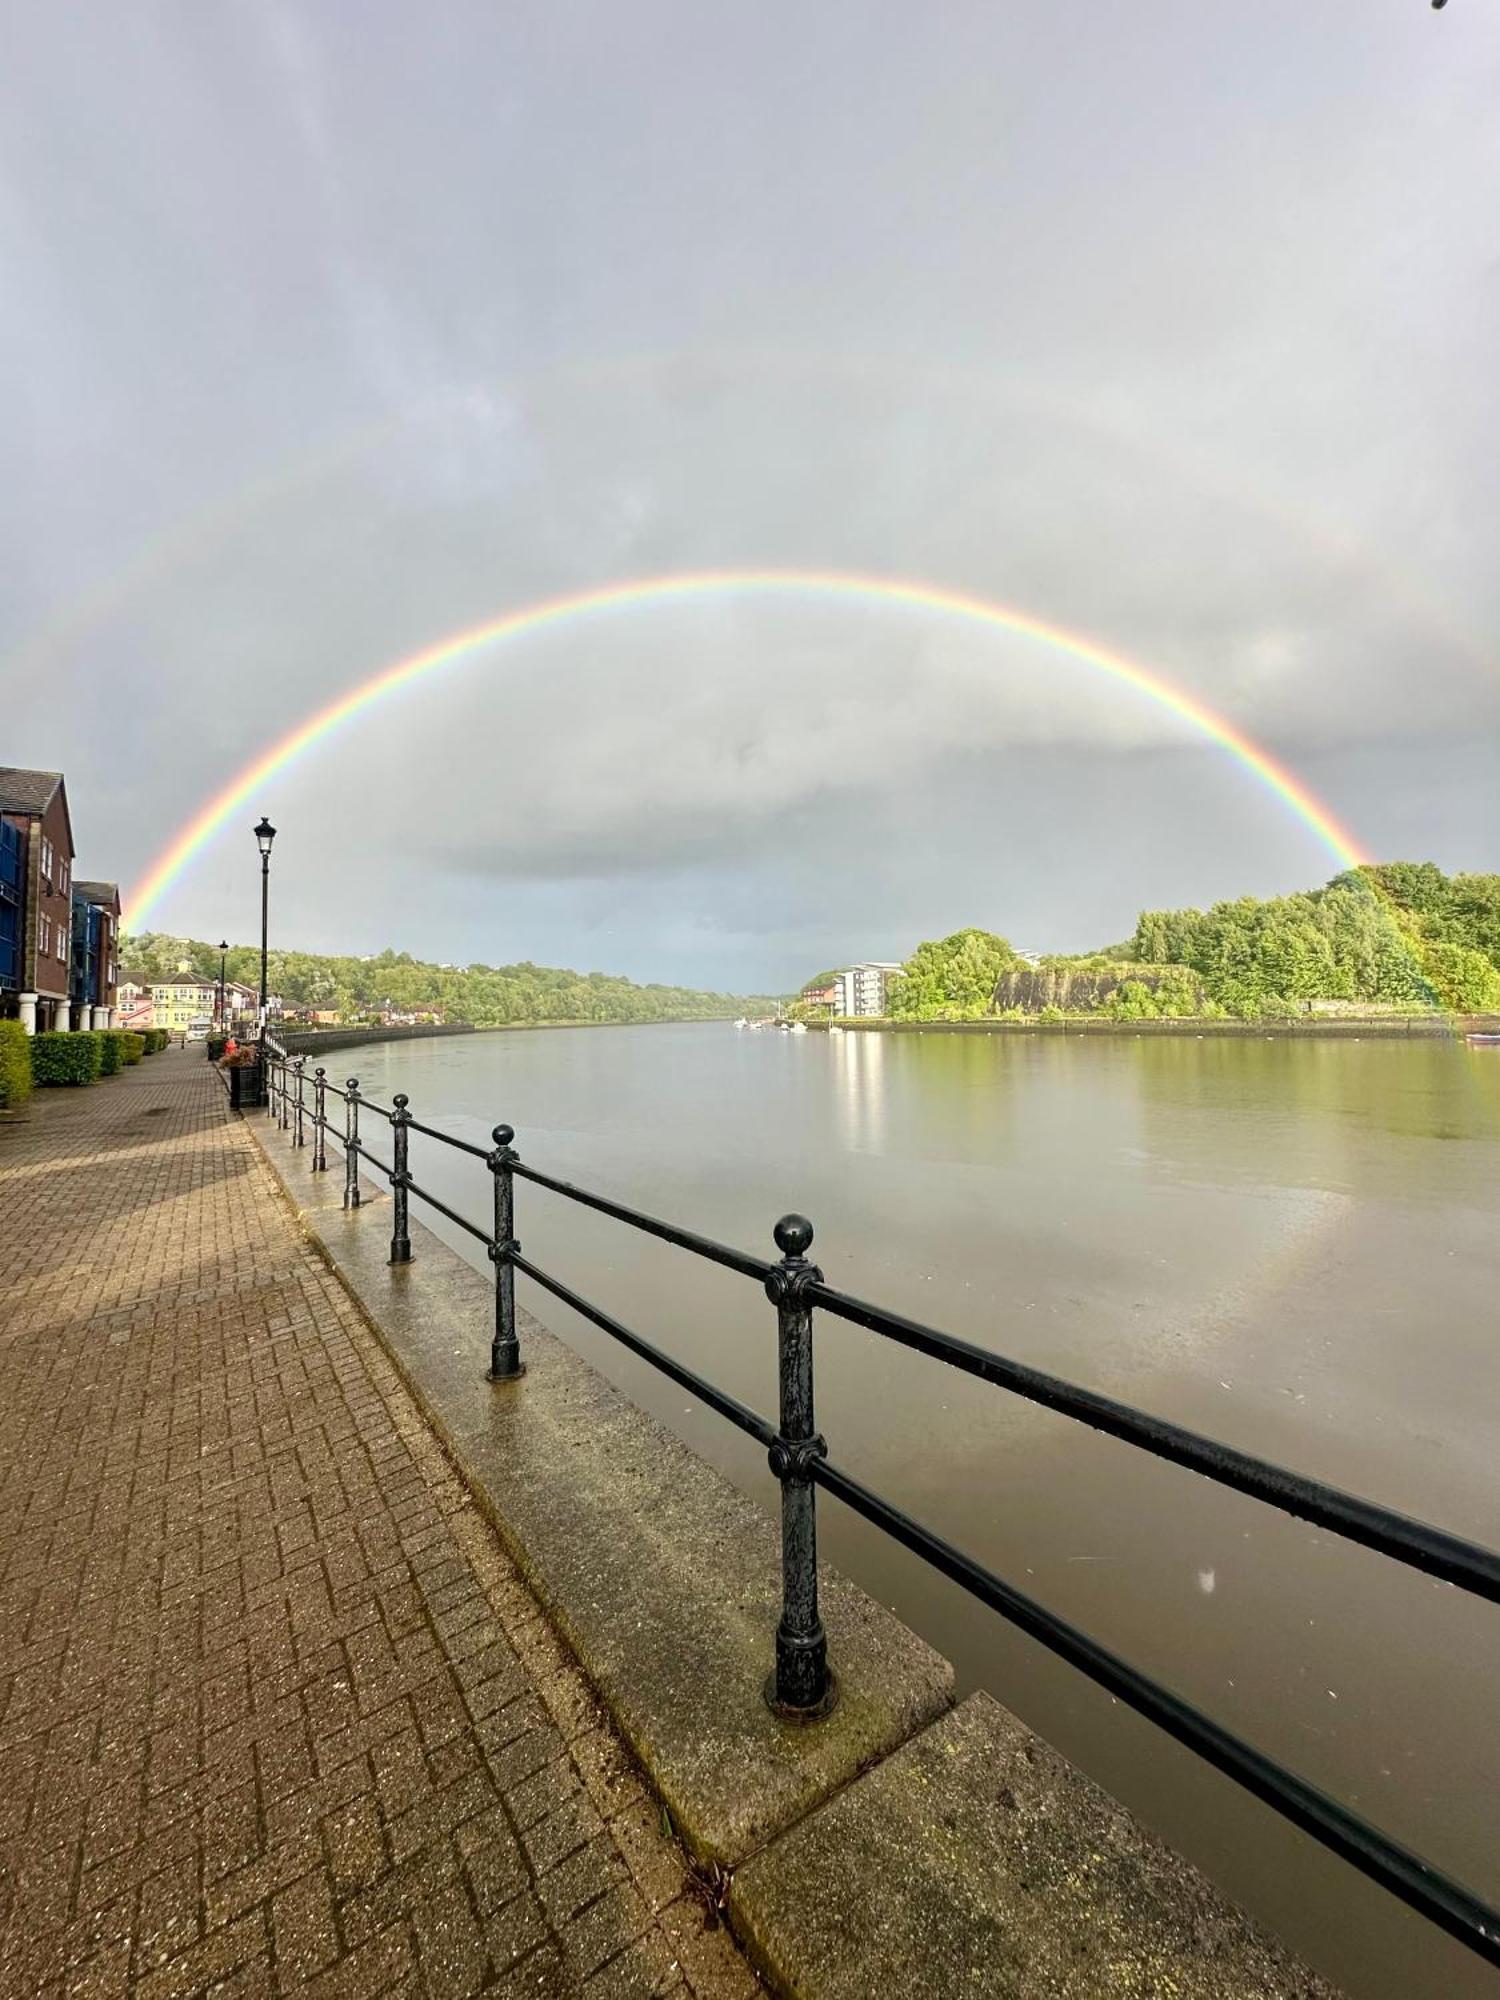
{"x":246,"y":1085}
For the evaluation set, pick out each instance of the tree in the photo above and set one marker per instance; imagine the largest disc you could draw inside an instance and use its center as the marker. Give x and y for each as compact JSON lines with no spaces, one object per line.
{"x":951,"y":978}
{"x":1464,"y":981}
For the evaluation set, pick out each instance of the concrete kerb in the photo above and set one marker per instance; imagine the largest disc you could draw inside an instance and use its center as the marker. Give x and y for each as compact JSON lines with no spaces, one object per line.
{"x":662,"y":1577}
{"x":901,"y":1845}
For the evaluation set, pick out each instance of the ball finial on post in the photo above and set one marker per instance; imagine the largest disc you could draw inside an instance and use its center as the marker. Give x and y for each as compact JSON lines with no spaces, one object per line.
{"x":794,"y":1235}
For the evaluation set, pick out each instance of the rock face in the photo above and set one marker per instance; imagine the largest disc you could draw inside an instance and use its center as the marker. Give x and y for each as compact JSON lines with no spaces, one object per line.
{"x":1033,"y":987}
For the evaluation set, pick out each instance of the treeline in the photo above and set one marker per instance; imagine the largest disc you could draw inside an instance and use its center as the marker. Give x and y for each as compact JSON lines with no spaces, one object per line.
{"x":487,"y":995}
{"x":1396,"y":935}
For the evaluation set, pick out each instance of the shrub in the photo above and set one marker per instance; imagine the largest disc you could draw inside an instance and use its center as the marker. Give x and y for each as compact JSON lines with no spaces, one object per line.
{"x":15,"y":1063}
{"x":156,"y":1041}
{"x":131,"y":1045}
{"x":63,"y":1058}
{"x":109,"y":1051}
{"x":215,"y":1046}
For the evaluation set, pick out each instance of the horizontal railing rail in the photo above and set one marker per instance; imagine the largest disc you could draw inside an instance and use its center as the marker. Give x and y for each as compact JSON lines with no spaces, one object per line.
{"x":803,"y":1686}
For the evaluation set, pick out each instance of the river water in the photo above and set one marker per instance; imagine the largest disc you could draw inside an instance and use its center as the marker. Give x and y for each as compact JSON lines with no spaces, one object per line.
{"x":1289,"y":1245}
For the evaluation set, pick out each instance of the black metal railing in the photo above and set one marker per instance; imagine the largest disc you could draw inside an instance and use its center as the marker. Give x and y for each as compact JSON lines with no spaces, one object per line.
{"x":803,"y":1686}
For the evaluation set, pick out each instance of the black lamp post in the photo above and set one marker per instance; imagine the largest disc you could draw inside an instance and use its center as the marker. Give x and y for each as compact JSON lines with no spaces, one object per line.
{"x":223,"y":984}
{"x":265,"y":833}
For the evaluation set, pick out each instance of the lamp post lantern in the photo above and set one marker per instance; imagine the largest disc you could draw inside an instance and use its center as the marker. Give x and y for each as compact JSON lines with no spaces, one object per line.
{"x":265,"y":833}
{"x":223,"y":984}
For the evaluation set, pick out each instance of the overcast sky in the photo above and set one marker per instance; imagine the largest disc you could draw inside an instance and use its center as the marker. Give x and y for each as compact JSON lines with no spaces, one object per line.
{"x":329,"y":330}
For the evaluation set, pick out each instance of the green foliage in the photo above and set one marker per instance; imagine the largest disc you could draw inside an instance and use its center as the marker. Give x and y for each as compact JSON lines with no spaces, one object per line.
{"x":951,"y":978}
{"x":215,"y":1046}
{"x":1131,"y":1001}
{"x":155,"y":1039}
{"x":15,"y":1064}
{"x":1398,"y":934}
{"x":1462,"y":979}
{"x":131,"y":1045}
{"x":64,"y":1058}
{"x":487,"y":995}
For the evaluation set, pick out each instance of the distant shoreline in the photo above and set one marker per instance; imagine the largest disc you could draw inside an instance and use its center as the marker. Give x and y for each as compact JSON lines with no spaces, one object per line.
{"x":1420,"y":1027}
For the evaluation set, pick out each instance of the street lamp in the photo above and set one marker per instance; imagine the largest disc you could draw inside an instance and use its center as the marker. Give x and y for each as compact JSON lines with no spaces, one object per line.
{"x":265,"y":833}
{"x":223,"y":984}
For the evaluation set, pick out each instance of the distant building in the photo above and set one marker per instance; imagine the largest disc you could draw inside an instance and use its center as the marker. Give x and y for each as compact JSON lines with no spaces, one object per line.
{"x":821,"y":996}
{"x":862,"y":989}
{"x":133,"y":1007}
{"x":36,"y":898}
{"x":184,"y":1006}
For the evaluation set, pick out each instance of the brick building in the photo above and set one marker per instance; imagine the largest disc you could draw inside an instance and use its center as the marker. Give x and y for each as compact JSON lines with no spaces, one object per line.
{"x":36,"y":898}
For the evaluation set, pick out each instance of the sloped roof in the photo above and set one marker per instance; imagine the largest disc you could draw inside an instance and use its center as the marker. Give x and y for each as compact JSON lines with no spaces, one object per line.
{"x":105,"y":893}
{"x":26,"y":791}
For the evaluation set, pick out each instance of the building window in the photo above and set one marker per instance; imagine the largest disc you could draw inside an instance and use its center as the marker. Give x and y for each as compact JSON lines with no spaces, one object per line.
{"x":43,"y":936}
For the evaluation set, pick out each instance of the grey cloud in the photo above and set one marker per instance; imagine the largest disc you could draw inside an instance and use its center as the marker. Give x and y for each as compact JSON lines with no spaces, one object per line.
{"x":335,"y":334}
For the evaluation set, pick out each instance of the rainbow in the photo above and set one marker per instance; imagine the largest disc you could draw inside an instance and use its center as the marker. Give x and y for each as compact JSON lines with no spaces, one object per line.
{"x":690,"y":585}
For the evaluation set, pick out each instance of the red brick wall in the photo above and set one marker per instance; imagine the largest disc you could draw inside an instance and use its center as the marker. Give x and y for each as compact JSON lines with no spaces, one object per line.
{"x":45,"y":973}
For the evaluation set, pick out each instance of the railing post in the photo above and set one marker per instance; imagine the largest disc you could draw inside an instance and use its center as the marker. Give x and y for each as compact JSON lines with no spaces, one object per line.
{"x":351,"y":1144}
{"x":299,"y":1137}
{"x":400,"y":1181}
{"x":268,"y":1079}
{"x":320,"y":1121}
{"x":801,"y":1689}
{"x":505,"y":1349}
{"x":284,"y":1066}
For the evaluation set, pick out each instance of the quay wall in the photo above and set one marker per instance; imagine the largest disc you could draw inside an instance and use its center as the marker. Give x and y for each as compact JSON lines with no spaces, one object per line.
{"x":902,"y":1844}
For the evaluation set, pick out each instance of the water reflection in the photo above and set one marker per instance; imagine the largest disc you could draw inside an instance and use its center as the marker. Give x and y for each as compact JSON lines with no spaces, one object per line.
{"x":858,"y":1061}
{"x":1289,"y":1245}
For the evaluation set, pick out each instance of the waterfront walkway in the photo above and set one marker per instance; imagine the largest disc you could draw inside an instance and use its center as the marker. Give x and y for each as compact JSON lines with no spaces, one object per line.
{"x":276,"y":1713}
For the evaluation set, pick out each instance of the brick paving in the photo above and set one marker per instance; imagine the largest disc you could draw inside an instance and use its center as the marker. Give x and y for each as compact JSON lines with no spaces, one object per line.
{"x":276,"y":1713}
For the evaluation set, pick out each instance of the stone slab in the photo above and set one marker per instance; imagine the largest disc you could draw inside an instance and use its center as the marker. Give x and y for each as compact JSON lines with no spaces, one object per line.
{"x":663,"y":1577}
{"x":977,"y":1861}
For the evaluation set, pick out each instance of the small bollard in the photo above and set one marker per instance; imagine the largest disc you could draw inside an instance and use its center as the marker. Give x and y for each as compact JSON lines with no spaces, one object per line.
{"x":400,"y":1181}
{"x":351,"y":1144}
{"x":320,"y":1121}
{"x":505,"y":1349}
{"x":298,"y":1136}
{"x":802,"y":1689}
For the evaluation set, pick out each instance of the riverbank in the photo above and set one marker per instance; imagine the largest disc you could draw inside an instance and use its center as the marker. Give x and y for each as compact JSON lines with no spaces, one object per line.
{"x":307,"y":1041}
{"x":1402,"y":1027}
{"x":890,"y":1845}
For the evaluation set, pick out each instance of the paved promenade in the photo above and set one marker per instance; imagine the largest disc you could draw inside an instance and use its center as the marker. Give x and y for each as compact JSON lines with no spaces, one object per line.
{"x":276,"y":1713}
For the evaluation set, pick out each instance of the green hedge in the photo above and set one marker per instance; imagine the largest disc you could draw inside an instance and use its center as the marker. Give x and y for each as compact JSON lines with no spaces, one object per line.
{"x":110,"y":1053}
{"x":155,"y":1040}
{"x":131,"y":1045}
{"x":65,"y":1058}
{"x":15,"y":1063}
